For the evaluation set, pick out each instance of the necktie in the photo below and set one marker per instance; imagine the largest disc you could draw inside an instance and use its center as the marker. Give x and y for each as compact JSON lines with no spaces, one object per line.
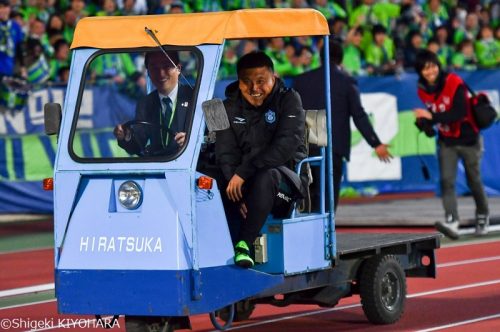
{"x":167,"y":116}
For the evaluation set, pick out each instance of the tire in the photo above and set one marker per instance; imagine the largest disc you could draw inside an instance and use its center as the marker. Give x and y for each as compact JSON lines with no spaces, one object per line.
{"x":243,"y":311}
{"x":383,"y":289}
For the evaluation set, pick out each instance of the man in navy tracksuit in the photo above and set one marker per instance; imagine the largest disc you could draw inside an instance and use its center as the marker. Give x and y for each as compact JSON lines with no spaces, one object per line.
{"x":261,"y":147}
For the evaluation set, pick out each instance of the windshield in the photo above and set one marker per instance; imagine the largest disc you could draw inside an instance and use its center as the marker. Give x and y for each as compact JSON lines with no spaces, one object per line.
{"x":136,"y":105}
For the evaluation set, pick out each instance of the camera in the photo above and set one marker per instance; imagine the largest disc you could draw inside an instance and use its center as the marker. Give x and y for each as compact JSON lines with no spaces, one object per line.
{"x":426,"y":126}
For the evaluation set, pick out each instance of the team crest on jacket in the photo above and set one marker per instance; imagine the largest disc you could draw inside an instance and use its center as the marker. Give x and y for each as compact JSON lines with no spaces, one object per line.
{"x":270,"y":116}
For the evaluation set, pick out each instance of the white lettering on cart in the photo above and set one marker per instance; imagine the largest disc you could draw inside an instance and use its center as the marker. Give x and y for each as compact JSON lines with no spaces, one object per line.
{"x":120,"y":244}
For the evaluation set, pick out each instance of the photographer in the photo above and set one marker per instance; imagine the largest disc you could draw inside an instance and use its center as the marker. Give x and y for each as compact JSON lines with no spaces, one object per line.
{"x":446,"y":98}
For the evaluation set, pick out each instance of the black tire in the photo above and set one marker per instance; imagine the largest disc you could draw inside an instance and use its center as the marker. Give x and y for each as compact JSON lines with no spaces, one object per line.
{"x":243,"y":310}
{"x":383,"y":289}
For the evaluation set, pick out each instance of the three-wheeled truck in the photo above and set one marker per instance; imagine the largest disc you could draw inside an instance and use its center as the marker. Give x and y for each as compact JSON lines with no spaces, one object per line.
{"x":146,"y":235}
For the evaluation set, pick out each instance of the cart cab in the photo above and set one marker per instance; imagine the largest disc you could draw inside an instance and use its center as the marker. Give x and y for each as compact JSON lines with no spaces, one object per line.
{"x":144,"y":232}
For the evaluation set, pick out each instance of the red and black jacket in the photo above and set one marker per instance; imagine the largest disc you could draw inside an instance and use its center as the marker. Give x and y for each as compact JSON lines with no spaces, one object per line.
{"x":451,"y":110}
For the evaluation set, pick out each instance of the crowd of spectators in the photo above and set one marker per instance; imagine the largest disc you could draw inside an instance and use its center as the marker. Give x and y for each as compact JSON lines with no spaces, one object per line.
{"x":380,"y":37}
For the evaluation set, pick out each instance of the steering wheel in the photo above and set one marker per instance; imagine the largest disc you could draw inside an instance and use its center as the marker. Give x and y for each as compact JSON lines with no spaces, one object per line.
{"x":139,"y":125}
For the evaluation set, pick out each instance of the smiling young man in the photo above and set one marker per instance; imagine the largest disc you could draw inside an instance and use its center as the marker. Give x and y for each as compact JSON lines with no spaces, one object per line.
{"x":264,"y":142}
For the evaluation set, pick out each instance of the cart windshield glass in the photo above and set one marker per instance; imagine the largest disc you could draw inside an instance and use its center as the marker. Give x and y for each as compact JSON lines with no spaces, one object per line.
{"x":136,"y":106}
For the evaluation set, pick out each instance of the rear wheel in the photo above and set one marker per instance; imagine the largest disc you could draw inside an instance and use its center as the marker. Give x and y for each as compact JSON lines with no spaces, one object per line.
{"x":383,"y":289}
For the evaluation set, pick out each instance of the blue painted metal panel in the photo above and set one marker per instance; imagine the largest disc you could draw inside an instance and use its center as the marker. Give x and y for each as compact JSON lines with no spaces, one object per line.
{"x":155,"y":236}
{"x":304,"y":244}
{"x":155,"y":292}
{"x":296,"y":245}
{"x":214,"y":239}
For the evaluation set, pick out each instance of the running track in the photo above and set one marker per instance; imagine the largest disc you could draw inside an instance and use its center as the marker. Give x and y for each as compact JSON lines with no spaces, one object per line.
{"x":464,"y":297}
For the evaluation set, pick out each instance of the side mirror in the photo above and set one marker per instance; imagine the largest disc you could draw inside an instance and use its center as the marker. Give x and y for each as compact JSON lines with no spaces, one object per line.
{"x":215,"y":115}
{"x":52,"y":114}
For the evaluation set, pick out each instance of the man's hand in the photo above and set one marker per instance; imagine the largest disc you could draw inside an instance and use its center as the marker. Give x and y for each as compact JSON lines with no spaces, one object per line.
{"x":180,"y":138}
{"x":383,"y":153}
{"x":119,"y":132}
{"x":122,"y":134}
{"x":421,"y":113}
{"x":234,"y":188}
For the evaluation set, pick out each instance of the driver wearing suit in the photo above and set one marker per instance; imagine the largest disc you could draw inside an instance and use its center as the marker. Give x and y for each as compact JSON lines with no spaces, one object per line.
{"x":166,"y":111}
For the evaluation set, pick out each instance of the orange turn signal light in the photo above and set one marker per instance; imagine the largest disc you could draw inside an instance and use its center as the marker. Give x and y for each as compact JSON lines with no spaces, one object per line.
{"x":48,"y":184}
{"x":205,"y":182}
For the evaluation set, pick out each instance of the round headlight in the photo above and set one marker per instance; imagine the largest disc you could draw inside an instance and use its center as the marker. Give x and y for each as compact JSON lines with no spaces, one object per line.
{"x":130,"y":195}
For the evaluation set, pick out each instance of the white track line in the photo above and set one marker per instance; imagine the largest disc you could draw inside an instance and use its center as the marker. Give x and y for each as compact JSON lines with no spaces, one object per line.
{"x":469,"y":261}
{"x":26,"y":290}
{"x":464,"y":322}
{"x":472,"y":229}
{"x":437,"y":291}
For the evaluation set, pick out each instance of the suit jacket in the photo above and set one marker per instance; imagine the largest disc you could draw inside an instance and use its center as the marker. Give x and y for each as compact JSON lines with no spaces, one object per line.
{"x":345,"y":103}
{"x":149,"y":109}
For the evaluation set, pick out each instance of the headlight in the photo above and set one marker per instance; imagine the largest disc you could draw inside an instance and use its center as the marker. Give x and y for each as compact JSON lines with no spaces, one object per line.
{"x":130,"y":195}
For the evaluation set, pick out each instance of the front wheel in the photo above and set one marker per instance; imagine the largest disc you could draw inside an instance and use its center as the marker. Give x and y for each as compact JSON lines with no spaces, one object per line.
{"x":383,"y":289}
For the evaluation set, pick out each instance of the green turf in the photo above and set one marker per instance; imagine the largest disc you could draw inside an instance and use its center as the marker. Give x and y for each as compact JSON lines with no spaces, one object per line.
{"x":26,"y":298}
{"x":27,"y":241}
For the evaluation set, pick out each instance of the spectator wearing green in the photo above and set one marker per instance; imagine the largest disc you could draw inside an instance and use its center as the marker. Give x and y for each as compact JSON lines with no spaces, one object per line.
{"x":353,"y":61}
{"x":436,"y":13}
{"x":241,"y":4}
{"x":487,"y":48}
{"x":38,"y":70}
{"x":380,"y":54}
{"x":60,"y":59}
{"x":109,"y":8}
{"x":205,"y":6}
{"x":275,"y":49}
{"x":445,"y":50}
{"x":434,"y":46}
{"x":36,"y":11}
{"x":469,"y":30}
{"x":37,"y":31}
{"x":329,"y":9}
{"x":112,"y":67}
{"x":464,"y":58}
{"x":371,"y":13}
{"x":229,"y":59}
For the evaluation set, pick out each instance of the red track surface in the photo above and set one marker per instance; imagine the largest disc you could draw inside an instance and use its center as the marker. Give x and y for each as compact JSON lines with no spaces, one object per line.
{"x":467,"y":288}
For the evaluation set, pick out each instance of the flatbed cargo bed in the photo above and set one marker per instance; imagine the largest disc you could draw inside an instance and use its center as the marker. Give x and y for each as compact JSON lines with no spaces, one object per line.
{"x":355,"y":244}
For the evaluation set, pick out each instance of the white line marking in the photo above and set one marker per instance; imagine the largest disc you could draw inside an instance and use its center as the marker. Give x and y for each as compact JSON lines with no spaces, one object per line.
{"x":469,"y":261}
{"x":464,"y":322}
{"x":26,"y":290}
{"x":452,"y":289}
{"x":472,"y":229}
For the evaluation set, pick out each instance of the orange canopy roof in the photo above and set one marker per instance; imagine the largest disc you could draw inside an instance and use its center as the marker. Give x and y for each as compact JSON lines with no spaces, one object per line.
{"x":197,"y":28}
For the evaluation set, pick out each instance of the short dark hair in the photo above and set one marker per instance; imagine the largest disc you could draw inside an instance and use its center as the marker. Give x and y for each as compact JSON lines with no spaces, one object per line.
{"x":378,"y":28}
{"x":423,"y":58}
{"x":174,"y":55}
{"x":254,"y":59}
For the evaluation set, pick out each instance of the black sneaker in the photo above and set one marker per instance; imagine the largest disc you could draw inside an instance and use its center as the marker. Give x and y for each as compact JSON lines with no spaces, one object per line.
{"x":450,"y":229}
{"x":482,"y":224}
